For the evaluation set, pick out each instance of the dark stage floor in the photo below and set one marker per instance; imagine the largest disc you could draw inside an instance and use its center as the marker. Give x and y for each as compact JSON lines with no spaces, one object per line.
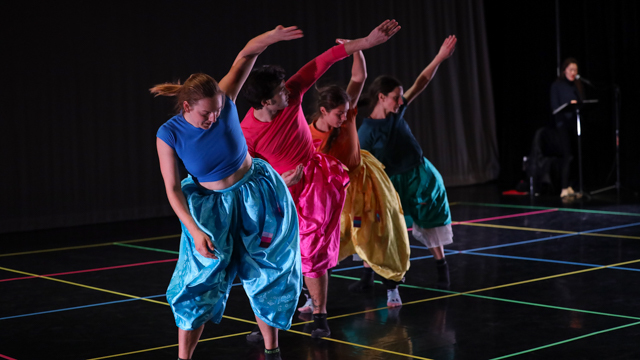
{"x":530,"y":279}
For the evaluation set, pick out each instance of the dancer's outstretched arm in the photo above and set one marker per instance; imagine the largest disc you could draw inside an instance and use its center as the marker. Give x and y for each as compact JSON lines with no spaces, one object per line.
{"x":358,"y":75}
{"x":233,"y":81}
{"x":446,"y":50}
{"x":379,"y":35}
{"x":301,"y":81}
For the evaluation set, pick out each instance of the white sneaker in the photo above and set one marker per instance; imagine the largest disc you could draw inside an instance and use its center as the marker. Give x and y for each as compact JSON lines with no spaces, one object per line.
{"x":307,"y":307}
{"x":393,"y":298}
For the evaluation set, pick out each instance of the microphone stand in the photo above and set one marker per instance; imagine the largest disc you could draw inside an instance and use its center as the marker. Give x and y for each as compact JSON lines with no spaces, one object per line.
{"x":579,"y":130}
{"x":617,"y":185}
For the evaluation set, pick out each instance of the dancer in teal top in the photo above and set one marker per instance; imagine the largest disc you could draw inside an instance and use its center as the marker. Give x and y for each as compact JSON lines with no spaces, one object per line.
{"x":388,"y":137}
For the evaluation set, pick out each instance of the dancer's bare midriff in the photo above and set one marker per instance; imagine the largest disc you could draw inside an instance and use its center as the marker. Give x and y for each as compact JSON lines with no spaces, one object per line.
{"x":231,"y":179}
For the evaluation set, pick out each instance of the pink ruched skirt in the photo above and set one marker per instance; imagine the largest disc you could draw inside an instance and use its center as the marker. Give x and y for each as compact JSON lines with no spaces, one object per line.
{"x":319,"y":199}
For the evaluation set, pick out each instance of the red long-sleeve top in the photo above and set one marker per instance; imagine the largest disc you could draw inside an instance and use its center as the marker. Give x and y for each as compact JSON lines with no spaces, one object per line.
{"x":286,"y":141}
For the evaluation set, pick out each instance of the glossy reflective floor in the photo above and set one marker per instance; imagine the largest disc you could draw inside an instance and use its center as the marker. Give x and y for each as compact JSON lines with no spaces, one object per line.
{"x":530,"y":279}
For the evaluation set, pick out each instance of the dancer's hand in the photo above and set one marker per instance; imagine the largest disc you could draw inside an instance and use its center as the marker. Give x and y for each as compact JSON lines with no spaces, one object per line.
{"x":425,"y":77}
{"x":447,"y":48}
{"x":380,"y":34}
{"x":233,"y":81}
{"x":383,"y":32}
{"x":281,"y":33}
{"x":203,"y":244}
{"x":342,"y":41}
{"x":293,"y":176}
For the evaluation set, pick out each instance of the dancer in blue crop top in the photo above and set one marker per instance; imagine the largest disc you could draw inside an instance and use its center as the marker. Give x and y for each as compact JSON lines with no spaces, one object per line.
{"x":236,"y":213}
{"x":193,"y":145}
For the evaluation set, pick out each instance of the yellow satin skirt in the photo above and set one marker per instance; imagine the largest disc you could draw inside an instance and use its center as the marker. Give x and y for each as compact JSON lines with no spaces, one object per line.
{"x":372,"y":222}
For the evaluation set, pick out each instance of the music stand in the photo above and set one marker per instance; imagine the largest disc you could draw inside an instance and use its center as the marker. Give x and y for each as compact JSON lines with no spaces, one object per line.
{"x":569,"y":107}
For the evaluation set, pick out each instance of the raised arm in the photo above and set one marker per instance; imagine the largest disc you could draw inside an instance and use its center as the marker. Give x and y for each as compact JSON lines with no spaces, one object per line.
{"x":301,"y":81}
{"x":446,"y":50}
{"x":379,"y":35}
{"x":233,"y":81}
{"x":358,"y":75}
{"x":171,"y":177}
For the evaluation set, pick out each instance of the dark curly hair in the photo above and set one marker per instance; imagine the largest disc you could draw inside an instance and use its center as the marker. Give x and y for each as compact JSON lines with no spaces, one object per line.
{"x":262,"y":84}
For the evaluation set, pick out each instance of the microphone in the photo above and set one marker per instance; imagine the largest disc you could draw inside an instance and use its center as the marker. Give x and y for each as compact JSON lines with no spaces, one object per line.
{"x":584,"y":80}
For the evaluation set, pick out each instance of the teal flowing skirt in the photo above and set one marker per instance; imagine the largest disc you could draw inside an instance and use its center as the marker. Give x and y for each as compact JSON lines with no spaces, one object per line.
{"x":423,"y":196}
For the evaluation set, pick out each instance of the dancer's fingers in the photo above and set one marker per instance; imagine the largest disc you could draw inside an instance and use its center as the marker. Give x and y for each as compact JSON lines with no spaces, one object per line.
{"x":287,"y":33}
{"x":384,"y":24}
{"x":395,"y":30}
{"x":391,"y":25}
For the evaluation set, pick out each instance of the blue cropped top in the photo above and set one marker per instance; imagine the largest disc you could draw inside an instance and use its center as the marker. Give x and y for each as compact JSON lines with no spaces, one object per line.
{"x":211,"y":154}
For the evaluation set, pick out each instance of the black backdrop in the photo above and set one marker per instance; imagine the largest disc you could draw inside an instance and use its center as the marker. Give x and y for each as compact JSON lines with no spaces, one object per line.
{"x":79,"y":124}
{"x":604,"y":37}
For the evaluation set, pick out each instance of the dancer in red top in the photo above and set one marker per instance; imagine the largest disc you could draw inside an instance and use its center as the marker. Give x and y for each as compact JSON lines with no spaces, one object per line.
{"x":277,"y":131}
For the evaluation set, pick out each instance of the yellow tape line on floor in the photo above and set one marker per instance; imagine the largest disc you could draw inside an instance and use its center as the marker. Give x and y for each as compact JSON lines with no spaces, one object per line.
{"x":168,"y":346}
{"x":330,"y":318}
{"x":547,"y":230}
{"x":82,"y":285}
{"x":362,"y":346}
{"x":90,"y":246}
{"x":110,"y":292}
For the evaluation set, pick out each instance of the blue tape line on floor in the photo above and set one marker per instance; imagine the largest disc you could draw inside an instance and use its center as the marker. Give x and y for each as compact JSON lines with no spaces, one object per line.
{"x":545,"y":260}
{"x":448,"y":252}
{"x":555,"y":237}
{"x":610,"y":228}
{"x":520,"y":242}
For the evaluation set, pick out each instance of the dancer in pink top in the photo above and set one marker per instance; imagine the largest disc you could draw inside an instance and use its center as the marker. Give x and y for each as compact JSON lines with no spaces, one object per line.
{"x":277,"y":131}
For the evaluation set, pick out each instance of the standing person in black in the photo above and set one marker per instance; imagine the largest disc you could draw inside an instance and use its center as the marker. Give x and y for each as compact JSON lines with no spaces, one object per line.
{"x":566,"y":89}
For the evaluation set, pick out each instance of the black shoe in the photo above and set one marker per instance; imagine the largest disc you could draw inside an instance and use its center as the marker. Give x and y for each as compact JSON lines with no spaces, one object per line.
{"x":272,"y":354}
{"x":316,"y":333}
{"x":361,"y":286}
{"x":365,"y":283}
{"x":255,"y":335}
{"x":320,"y":333}
{"x":443,"y":275}
{"x":308,"y":328}
{"x":321,"y":327}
